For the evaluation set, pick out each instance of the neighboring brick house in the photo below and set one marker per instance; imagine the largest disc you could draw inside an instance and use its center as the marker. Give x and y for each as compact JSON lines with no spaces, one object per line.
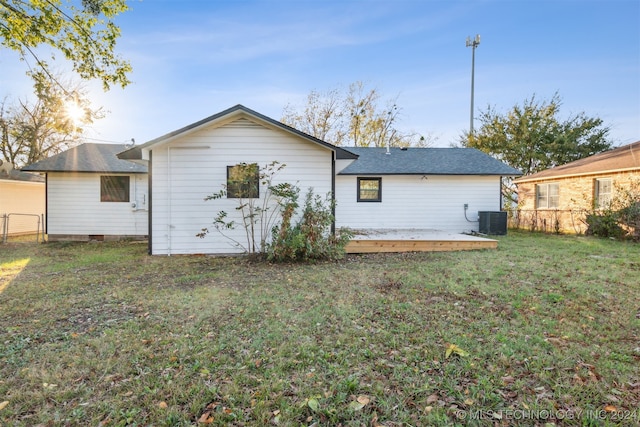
{"x":556,"y":199}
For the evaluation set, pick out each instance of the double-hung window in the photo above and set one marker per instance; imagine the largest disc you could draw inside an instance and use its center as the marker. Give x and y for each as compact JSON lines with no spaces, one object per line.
{"x":603,"y":190}
{"x":547,"y":196}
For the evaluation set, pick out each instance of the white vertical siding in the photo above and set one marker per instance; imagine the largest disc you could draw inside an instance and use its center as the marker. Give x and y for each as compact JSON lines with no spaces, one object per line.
{"x":410,"y":201}
{"x":189,"y":169}
{"x":24,"y":198}
{"x":74,"y":206}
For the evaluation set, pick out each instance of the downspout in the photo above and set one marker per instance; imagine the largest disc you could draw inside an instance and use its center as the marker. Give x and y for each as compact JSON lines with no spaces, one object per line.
{"x":46,"y":203}
{"x":333,"y":191}
{"x":168,"y":201}
{"x":150,"y":204}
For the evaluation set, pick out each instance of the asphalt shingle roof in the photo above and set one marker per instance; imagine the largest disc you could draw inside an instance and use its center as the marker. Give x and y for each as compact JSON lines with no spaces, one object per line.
{"x":626,"y":157}
{"x":88,"y":157}
{"x":16,"y":175}
{"x":425,"y":161}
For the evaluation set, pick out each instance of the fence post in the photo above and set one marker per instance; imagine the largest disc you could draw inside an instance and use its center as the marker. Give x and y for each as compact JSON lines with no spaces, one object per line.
{"x":42,"y":222}
{"x":5,"y":227}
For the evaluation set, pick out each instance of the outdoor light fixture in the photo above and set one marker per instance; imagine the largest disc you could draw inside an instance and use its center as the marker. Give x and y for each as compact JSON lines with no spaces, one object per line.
{"x":472,"y":44}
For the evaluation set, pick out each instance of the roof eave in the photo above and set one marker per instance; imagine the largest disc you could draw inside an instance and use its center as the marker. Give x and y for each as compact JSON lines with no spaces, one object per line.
{"x":425,"y":173}
{"x":532,"y":178}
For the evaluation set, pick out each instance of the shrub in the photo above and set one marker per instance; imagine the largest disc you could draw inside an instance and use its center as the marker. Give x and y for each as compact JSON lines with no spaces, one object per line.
{"x":621,"y":218}
{"x":604,"y":224}
{"x":311,"y":238}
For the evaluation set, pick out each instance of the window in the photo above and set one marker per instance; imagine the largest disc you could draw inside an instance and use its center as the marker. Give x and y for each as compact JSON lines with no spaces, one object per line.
{"x":603,"y":188}
{"x":243,"y":181}
{"x":114,"y":188}
{"x":369,"y":189}
{"x":547,"y":196}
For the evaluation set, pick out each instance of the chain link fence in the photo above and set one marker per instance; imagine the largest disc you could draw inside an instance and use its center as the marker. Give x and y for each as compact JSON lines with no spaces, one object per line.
{"x":549,"y":221}
{"x":15,"y":224}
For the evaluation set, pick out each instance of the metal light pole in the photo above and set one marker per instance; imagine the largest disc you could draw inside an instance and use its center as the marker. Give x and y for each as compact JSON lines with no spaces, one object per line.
{"x":472,"y":44}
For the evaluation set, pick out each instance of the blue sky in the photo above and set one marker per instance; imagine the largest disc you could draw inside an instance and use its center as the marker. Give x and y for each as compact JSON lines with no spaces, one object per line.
{"x":192,"y":59}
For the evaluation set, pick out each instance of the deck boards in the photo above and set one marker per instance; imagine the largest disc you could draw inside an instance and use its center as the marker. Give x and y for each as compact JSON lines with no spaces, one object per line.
{"x":379,"y":241}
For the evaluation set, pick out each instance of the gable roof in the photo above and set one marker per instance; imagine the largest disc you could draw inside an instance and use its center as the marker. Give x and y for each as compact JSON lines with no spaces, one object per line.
{"x":625,"y":158}
{"x":425,"y":161}
{"x":88,"y":157}
{"x":135,"y":153}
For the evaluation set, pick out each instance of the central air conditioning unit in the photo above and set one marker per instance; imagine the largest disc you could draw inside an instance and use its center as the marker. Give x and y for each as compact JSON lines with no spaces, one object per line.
{"x":492,"y":222}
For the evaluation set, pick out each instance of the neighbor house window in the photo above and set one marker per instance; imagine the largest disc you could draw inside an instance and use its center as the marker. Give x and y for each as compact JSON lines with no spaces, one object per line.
{"x":114,"y":188}
{"x":547,"y":196}
{"x":243,"y":181}
{"x":369,"y":189}
{"x":603,"y":189}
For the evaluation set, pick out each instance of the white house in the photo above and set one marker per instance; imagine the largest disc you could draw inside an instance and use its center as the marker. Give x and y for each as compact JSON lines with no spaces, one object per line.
{"x":91,"y":194}
{"x":418,"y":188}
{"x":192,"y":163}
{"x":158,"y":189}
{"x":424,"y":188}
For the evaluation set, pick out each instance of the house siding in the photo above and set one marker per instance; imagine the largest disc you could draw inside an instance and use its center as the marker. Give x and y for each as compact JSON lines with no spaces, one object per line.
{"x":576,"y":197}
{"x":417,"y":202}
{"x":21,"y":200}
{"x":194,"y":166}
{"x":74,"y":209}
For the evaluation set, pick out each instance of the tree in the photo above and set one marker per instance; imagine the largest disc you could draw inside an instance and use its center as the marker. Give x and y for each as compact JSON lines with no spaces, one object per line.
{"x":351,"y":118}
{"x":86,"y":36}
{"x":32,"y":131}
{"x":323,"y":116}
{"x":532,"y":137}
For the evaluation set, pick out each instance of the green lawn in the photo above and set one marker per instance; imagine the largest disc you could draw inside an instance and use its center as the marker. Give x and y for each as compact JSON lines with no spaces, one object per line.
{"x":102,"y":334}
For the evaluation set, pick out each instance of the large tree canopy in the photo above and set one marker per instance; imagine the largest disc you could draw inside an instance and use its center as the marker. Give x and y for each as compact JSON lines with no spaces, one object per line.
{"x":31,"y":131}
{"x":85,"y":35}
{"x":354,"y":117}
{"x":532,"y":137}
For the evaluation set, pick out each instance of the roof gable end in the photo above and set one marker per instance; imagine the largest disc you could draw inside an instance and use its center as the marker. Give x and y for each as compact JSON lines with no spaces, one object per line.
{"x":227,"y":116}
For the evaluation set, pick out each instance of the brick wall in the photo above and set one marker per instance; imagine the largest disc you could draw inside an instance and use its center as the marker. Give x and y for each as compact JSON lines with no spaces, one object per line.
{"x":575,"y":198}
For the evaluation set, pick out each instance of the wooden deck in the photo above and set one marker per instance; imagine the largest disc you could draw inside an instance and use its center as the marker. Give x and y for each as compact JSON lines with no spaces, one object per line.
{"x":376,"y":241}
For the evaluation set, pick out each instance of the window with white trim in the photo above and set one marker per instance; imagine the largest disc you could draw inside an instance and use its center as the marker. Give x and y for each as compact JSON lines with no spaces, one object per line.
{"x":547,"y":196}
{"x":603,"y":191}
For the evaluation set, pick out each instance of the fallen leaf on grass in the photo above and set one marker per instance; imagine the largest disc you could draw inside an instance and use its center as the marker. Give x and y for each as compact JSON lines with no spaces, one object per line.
{"x":3,"y":404}
{"x":205,"y":418}
{"x":432,"y":399}
{"x":508,"y":379}
{"x":313,"y":404}
{"x":363,"y":399}
{"x":610,"y":408}
{"x":454,"y":349}
{"x":359,"y":403}
{"x":163,"y":405}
